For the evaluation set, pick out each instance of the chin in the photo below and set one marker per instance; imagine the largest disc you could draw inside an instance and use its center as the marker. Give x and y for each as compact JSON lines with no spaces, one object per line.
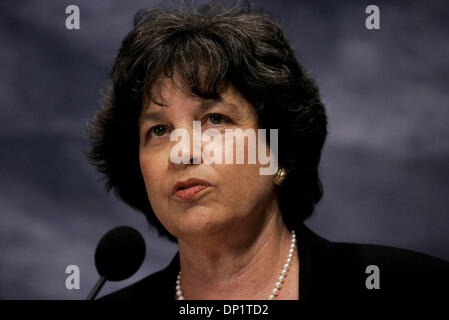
{"x":202,"y":221}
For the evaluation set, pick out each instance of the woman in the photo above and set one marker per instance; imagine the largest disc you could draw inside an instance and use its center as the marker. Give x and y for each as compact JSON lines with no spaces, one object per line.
{"x":240,"y":232}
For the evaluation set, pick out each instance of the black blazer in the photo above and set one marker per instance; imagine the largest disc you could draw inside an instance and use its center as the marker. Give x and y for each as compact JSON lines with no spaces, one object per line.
{"x":330,"y":270}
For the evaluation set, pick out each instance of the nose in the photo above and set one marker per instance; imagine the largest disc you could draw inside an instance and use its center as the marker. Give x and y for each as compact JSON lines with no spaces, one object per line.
{"x":186,"y":147}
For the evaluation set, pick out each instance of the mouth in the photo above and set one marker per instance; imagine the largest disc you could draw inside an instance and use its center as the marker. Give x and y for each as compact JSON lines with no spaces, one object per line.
{"x":189,"y":189}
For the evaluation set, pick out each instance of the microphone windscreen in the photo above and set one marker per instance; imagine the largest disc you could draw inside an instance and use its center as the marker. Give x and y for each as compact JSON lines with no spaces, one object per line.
{"x":120,"y":253}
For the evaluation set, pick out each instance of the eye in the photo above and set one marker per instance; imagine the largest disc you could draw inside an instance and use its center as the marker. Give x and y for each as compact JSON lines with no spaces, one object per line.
{"x":157,"y":131}
{"x":216,"y":118}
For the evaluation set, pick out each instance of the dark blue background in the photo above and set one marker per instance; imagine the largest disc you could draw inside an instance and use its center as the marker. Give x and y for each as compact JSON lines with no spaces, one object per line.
{"x":385,"y":165}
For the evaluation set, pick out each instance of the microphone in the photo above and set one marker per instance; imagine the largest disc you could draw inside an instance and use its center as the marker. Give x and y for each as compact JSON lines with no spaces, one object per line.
{"x":118,"y":256}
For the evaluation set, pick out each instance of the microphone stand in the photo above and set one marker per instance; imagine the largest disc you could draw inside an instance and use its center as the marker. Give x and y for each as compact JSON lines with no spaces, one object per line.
{"x":93,"y":293}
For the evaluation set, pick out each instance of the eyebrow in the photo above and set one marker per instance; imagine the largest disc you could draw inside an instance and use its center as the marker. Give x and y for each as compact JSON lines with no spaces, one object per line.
{"x":204,"y":106}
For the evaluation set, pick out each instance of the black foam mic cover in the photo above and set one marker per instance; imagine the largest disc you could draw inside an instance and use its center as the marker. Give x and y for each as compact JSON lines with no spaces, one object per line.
{"x":120,"y":253}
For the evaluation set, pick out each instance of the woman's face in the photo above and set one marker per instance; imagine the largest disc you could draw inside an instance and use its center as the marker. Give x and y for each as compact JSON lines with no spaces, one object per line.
{"x":200,"y":198}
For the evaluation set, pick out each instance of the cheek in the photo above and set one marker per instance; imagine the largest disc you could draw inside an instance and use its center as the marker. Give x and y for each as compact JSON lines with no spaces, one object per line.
{"x":242,"y":183}
{"x":242,"y":190}
{"x":153,"y":174}
{"x":241,"y":166}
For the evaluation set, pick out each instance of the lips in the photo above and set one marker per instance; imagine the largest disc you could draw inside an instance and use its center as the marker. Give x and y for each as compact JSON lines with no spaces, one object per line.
{"x":189,"y":189}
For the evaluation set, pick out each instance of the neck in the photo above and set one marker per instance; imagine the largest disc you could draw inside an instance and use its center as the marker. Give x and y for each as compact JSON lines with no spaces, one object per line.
{"x":242,"y":262}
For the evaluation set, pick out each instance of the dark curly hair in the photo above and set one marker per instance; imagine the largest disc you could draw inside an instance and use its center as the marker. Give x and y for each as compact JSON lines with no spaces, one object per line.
{"x":237,"y":46}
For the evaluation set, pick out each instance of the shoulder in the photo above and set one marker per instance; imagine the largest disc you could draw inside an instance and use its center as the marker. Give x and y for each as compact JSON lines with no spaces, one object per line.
{"x":367,"y":270}
{"x":389,"y":271}
{"x":157,"y":286}
{"x":139,"y":290}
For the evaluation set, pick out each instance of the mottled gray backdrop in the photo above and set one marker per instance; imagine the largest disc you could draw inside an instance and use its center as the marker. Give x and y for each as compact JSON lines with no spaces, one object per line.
{"x":385,"y":164}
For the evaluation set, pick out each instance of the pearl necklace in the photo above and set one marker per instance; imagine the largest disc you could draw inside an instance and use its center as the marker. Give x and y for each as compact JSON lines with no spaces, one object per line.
{"x":277,"y":287}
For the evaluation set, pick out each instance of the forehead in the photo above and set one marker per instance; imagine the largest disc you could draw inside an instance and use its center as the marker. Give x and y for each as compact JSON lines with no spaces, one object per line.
{"x":164,"y":91}
{"x":170,"y":91}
